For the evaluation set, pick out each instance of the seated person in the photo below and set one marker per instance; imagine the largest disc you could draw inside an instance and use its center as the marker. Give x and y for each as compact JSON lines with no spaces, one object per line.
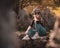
{"x":36,"y":27}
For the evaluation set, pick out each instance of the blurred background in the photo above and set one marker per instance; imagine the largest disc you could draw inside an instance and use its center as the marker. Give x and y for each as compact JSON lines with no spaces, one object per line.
{"x":24,"y":9}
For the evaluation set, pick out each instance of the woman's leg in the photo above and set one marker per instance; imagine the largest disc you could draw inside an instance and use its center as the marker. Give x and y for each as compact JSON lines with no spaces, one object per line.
{"x":41,"y":30}
{"x":31,"y":32}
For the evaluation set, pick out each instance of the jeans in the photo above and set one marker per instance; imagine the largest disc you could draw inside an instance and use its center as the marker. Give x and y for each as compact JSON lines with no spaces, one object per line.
{"x":39,"y":28}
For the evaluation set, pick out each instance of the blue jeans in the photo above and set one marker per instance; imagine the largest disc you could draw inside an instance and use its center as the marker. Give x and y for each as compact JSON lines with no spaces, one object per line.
{"x":39,"y":28}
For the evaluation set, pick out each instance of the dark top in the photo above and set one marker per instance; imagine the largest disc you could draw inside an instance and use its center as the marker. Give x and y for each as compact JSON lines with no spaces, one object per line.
{"x":33,"y":23}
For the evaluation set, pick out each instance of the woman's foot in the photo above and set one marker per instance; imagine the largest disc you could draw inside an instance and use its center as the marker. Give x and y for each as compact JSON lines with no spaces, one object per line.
{"x":36,"y":36}
{"x":26,"y":37}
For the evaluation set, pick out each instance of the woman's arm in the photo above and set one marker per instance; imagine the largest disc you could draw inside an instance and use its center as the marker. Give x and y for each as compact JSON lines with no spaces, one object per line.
{"x":28,"y":29}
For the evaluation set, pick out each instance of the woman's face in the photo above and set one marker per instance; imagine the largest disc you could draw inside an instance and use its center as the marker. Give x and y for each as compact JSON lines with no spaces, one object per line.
{"x":37,"y":16}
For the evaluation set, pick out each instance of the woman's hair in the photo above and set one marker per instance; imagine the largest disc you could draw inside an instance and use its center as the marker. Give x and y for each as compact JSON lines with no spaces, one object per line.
{"x":37,"y":11}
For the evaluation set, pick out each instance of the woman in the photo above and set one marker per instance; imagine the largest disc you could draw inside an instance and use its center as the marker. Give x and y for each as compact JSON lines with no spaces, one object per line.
{"x":36,"y":26}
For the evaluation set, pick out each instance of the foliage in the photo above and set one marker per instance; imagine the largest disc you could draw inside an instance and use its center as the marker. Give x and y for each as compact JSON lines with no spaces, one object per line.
{"x":24,"y":3}
{"x":57,"y":2}
{"x":25,"y":21}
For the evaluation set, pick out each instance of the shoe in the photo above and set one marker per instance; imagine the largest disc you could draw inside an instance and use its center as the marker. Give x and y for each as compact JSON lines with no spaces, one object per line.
{"x":26,"y":38}
{"x":36,"y":36}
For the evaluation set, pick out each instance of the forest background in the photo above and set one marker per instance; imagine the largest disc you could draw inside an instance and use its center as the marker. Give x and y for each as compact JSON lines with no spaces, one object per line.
{"x":25,"y":7}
